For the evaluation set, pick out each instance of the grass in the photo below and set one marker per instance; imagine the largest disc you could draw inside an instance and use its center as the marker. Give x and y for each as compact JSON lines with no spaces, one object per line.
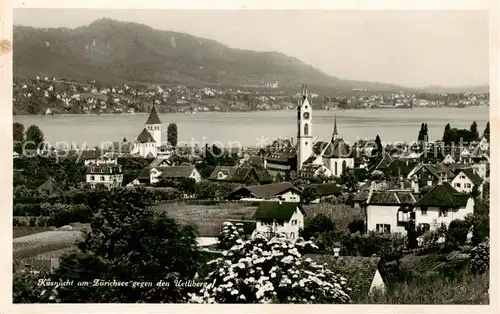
{"x":467,"y":288}
{"x":341,"y":215}
{"x":25,"y":231}
{"x":36,"y":244}
{"x":207,"y":219}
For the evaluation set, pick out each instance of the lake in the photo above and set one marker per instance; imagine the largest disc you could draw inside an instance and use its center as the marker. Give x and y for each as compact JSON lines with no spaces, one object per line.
{"x":251,"y":128}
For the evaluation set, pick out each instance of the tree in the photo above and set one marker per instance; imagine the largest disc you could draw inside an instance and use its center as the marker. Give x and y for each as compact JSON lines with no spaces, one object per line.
{"x":486,"y":132}
{"x":18,"y":131}
{"x":229,"y":234}
{"x":318,"y":224}
{"x":446,"y":134}
{"x":18,"y":136}
{"x":378,"y":150}
{"x":309,"y":194}
{"x":34,"y":135}
{"x":270,"y":271}
{"x":421,"y":133}
{"x":474,"y":132}
{"x":131,"y":241}
{"x":172,"y":134}
{"x":349,"y":179}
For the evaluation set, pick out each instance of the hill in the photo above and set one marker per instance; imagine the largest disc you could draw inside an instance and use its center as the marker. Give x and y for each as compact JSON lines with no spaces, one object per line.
{"x":117,"y":52}
{"x":478,"y":89}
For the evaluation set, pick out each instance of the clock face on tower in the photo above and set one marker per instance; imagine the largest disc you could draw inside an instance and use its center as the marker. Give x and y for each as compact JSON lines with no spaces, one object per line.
{"x":306,"y":115}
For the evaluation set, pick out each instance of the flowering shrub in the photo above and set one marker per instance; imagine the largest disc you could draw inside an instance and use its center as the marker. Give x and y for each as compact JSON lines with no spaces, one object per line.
{"x":480,"y":257}
{"x":270,"y":271}
{"x":229,"y":234}
{"x":432,"y":239}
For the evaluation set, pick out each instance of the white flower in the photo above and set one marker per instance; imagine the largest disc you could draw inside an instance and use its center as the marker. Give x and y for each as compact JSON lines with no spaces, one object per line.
{"x":287,"y":259}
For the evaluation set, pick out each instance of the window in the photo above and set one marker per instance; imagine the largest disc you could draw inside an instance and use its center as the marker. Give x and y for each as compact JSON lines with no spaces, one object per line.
{"x":102,"y":178}
{"x":294,"y":222}
{"x":280,"y":223}
{"x":306,"y":129}
{"x":92,"y":178}
{"x":423,"y":211}
{"x":457,"y":185}
{"x":468,"y":185}
{"x":344,"y":166}
{"x":462,"y":177}
{"x":336,"y":168}
{"x":292,"y":235}
{"x":443,"y":212}
{"x":383,"y":228}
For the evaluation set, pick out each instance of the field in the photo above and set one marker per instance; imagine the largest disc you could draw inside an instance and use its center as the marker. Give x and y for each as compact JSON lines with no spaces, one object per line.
{"x":341,"y":215}
{"x":207,"y":219}
{"x":18,"y":232}
{"x":43,"y":242}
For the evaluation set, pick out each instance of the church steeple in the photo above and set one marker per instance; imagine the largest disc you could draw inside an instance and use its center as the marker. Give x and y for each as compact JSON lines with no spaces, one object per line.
{"x":335,"y":133}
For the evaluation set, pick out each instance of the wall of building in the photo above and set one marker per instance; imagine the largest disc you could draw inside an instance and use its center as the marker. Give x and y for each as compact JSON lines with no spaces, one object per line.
{"x":383,"y":214}
{"x":110,"y":180}
{"x":435,"y":220}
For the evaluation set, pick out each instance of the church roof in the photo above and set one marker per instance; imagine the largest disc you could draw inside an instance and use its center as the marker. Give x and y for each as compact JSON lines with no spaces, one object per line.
{"x":145,"y":137}
{"x":153,"y":117}
{"x":337,"y":149}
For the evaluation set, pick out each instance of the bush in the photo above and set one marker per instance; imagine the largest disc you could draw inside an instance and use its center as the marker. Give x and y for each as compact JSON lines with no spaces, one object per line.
{"x":229,"y":234}
{"x":457,"y":232}
{"x":480,"y":257}
{"x":270,"y":271}
{"x":357,"y":225}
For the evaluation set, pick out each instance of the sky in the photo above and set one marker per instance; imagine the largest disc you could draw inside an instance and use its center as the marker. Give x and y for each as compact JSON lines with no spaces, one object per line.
{"x":409,"y":48}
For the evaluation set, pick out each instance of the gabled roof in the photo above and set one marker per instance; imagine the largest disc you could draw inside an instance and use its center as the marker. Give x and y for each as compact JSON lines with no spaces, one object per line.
{"x":475,"y":178}
{"x":443,"y":195}
{"x":91,"y":154}
{"x":384,"y":162}
{"x":392,"y":197}
{"x":234,"y":174}
{"x":50,"y":187}
{"x":145,"y":137}
{"x":153,"y":117}
{"x":325,"y":189}
{"x":337,"y":149}
{"x":282,"y":154}
{"x":267,"y":190}
{"x":103,"y":169}
{"x":358,"y":270}
{"x":281,"y":211}
{"x":176,"y":171}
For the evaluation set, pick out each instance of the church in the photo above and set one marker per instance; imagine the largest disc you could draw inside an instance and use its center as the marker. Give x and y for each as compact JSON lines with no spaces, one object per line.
{"x":148,"y":142}
{"x":335,"y":156}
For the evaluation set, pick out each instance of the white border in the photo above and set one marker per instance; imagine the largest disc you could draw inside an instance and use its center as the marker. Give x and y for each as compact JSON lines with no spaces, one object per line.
{"x":6,"y":142}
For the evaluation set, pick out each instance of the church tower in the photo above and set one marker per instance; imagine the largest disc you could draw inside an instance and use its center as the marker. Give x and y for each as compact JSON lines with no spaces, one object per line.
{"x":153,"y":125}
{"x":304,"y":129}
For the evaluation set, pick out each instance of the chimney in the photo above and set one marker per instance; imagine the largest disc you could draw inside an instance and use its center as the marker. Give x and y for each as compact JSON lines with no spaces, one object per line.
{"x":336,"y":252}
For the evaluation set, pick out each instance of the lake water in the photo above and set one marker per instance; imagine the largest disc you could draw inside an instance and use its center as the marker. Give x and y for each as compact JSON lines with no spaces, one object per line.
{"x":249,"y":128}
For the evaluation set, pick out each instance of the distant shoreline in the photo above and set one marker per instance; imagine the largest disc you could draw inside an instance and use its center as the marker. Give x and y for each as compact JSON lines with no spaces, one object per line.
{"x":242,"y":111}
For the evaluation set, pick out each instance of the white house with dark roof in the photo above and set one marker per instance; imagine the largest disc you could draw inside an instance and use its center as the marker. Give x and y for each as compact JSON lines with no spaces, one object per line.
{"x":109,"y":176}
{"x":441,"y":205}
{"x":283,"y":191}
{"x":279,"y":217}
{"x":389,"y":211}
{"x":174,"y":173}
{"x":466,"y":179}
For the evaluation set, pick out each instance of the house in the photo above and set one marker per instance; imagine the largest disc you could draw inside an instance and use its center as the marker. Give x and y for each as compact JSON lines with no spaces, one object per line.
{"x":365,"y":275}
{"x":283,"y":191}
{"x":389,"y":211}
{"x":50,"y":187}
{"x":465,"y":181}
{"x":430,"y":174}
{"x":441,"y":205}
{"x":311,"y":171}
{"x":244,"y":175}
{"x":281,"y":161}
{"x":109,"y":176}
{"x":324,"y":191}
{"x":279,"y":217}
{"x":383,"y":163}
{"x":174,"y":173}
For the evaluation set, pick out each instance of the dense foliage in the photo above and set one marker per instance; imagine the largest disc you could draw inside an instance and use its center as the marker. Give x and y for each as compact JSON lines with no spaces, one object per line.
{"x":270,"y":271}
{"x":480,"y":257}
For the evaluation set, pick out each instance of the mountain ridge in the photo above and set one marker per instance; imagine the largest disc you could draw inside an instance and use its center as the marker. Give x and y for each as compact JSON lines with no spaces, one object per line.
{"x":125,"y":52}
